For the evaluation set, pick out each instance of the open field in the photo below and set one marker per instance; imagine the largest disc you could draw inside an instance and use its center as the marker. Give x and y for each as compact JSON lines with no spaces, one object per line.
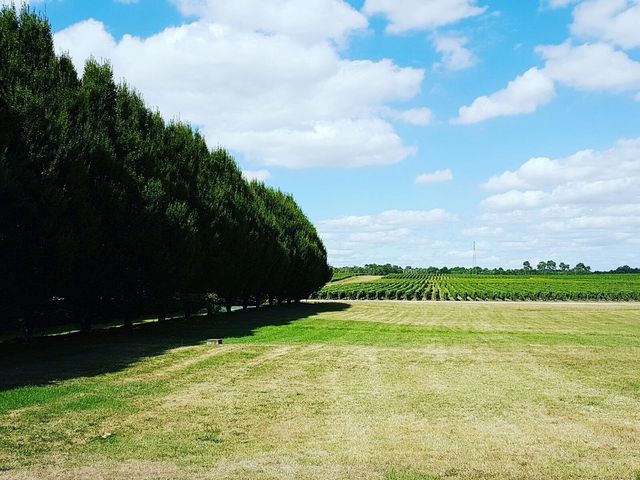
{"x":356,"y":279}
{"x":358,"y":390}
{"x":336,"y":277}
{"x":414,"y":286}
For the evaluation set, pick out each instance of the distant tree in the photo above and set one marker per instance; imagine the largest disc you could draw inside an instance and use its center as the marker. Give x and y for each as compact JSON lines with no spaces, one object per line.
{"x":551,"y":266}
{"x":582,"y":268}
{"x":625,"y":269}
{"x":542,"y":266}
{"x":564,"y":267}
{"x":526,"y":266}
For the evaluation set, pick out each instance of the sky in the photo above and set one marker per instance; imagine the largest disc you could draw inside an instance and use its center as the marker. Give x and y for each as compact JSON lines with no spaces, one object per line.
{"x":405,"y":129}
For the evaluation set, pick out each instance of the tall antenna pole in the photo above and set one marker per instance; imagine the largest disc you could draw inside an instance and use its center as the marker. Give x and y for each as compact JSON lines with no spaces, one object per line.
{"x":474,"y":257}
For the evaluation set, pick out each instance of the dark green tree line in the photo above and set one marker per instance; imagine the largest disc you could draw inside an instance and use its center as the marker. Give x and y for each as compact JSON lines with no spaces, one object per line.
{"x":109,"y":211}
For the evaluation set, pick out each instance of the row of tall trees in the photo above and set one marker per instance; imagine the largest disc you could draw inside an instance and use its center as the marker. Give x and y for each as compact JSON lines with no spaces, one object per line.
{"x":370,"y":269}
{"x":109,"y":210}
{"x":549,"y":266}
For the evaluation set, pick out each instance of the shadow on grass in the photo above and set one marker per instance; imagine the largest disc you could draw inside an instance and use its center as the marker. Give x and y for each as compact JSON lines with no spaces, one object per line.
{"x":51,"y":359}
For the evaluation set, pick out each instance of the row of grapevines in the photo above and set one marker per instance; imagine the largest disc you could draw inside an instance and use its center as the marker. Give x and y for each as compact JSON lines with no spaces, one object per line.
{"x":415,"y":286}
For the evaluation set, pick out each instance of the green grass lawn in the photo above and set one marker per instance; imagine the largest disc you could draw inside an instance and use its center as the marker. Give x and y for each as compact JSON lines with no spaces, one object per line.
{"x":372,"y":390}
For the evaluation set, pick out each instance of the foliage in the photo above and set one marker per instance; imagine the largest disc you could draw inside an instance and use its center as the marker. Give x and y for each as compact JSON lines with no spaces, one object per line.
{"x":417,"y":286}
{"x":368,"y":269}
{"x":106,"y":210}
{"x":543,"y":267}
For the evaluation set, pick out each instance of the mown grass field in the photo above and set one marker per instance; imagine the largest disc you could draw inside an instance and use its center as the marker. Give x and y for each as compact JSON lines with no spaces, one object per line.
{"x":362,"y":390}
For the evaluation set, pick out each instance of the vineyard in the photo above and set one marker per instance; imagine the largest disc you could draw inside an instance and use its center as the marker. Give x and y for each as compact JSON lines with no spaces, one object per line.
{"x":414,"y":286}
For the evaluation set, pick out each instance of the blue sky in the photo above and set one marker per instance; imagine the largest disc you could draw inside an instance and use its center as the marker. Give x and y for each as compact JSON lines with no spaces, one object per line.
{"x":406,"y":129}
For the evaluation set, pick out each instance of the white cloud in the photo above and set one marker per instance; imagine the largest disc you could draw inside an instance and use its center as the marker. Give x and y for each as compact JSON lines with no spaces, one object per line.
{"x":585,"y":207}
{"x":259,"y":175}
{"x":543,"y":172}
{"x":413,"y":116}
{"x":407,"y":15}
{"x":614,"y":21}
{"x":620,"y":161}
{"x":310,"y":20}
{"x":275,"y":98}
{"x":84,"y":40}
{"x":559,"y":3}
{"x":454,"y":54}
{"x":590,"y":67}
{"x":388,"y":220}
{"x":439,"y":176}
{"x":400,"y":236}
{"x":522,"y":95}
{"x":515,"y":199}
{"x":339,"y":143}
{"x":482,"y":231}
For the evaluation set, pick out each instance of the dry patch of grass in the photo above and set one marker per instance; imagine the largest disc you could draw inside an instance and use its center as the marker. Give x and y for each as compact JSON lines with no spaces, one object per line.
{"x":374,"y":391}
{"x":357,"y":279}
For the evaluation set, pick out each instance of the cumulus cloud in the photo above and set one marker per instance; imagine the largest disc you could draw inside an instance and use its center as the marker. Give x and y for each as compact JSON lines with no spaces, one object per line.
{"x":310,"y":20}
{"x":439,"y":176}
{"x":515,"y":199}
{"x":553,"y":4}
{"x":584,"y":207}
{"x":614,"y":21}
{"x":413,"y":116}
{"x":590,"y":67}
{"x":581,"y":208}
{"x":84,"y":40}
{"x":455,"y":56}
{"x":401,"y":236}
{"x":587,"y":67}
{"x":522,"y":95}
{"x":271,"y":96}
{"x":339,"y":143}
{"x":482,"y":231}
{"x":621,"y":160}
{"x":407,"y":15}
{"x":388,"y":220}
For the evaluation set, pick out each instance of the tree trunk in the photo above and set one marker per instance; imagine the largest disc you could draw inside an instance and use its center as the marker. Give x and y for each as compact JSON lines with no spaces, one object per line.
{"x":228,"y":305}
{"x":85,"y":322}
{"x":28,"y":325}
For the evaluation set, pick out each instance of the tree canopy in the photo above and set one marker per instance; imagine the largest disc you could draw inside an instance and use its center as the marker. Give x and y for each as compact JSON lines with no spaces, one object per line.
{"x":110,"y":210}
